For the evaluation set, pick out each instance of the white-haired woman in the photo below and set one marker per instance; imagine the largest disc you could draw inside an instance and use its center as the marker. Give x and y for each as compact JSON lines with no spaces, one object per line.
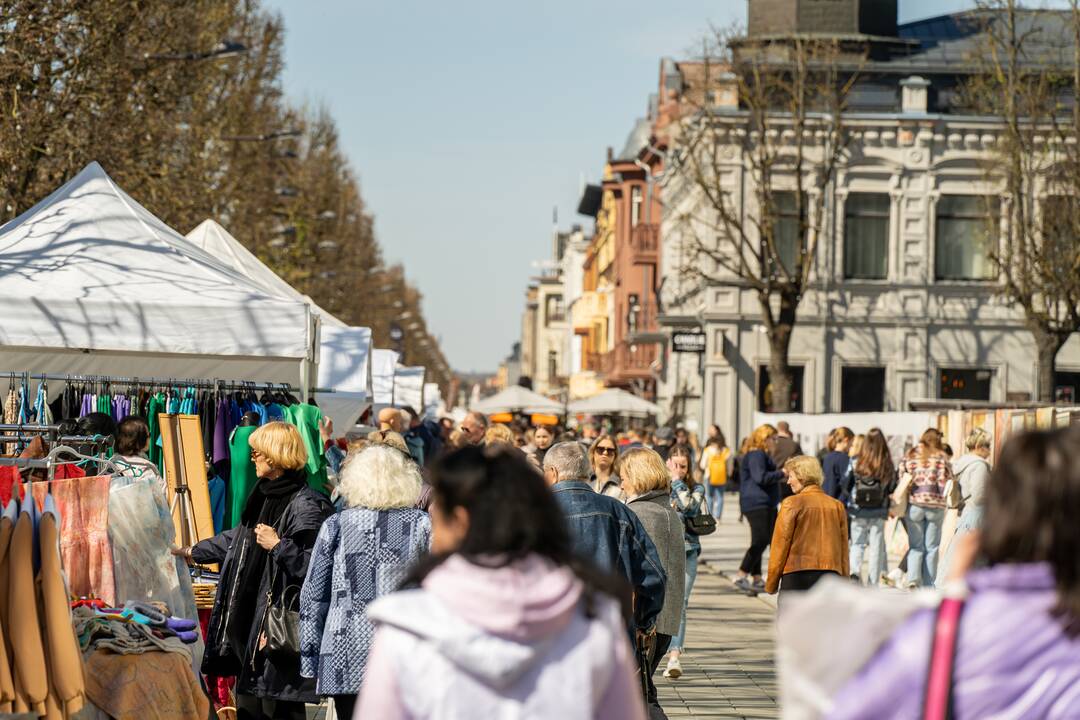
{"x":361,"y":553}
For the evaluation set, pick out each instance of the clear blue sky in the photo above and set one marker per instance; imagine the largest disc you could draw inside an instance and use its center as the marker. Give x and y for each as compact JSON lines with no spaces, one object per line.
{"x":469,"y":121}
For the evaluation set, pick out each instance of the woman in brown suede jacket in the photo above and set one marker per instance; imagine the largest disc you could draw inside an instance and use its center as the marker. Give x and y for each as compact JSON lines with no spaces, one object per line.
{"x":811,"y":535}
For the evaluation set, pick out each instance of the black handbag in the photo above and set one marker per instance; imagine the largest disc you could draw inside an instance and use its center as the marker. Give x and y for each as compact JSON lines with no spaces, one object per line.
{"x":282,"y":624}
{"x":700,"y":524}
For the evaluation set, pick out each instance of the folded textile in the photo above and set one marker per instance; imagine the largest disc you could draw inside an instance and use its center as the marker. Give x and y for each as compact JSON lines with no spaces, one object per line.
{"x":152,"y":686}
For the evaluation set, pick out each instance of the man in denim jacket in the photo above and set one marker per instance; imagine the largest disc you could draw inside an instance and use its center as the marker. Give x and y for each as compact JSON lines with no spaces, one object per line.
{"x":605,"y":532}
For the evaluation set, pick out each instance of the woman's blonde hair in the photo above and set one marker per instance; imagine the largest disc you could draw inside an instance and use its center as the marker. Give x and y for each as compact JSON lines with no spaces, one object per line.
{"x":643,"y":471}
{"x":380,"y":477}
{"x":806,"y":469}
{"x":857,"y":445}
{"x":499,"y":433}
{"x":978,"y":438}
{"x":837,"y":436}
{"x":280,"y":443}
{"x":759,"y":437}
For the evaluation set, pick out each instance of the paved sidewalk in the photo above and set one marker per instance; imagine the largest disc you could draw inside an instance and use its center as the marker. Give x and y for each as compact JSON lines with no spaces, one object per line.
{"x":728,"y":669}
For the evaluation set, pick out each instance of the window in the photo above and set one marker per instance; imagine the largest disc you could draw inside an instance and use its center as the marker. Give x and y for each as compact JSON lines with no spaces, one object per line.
{"x":1066,"y":386}
{"x":866,"y":236}
{"x":965,"y":384}
{"x":962,"y":245}
{"x":1060,"y":218}
{"x":555,"y":311}
{"x":553,"y":365}
{"x":862,"y":389}
{"x":788,"y":228}
{"x":764,"y":393}
{"x":635,"y":205}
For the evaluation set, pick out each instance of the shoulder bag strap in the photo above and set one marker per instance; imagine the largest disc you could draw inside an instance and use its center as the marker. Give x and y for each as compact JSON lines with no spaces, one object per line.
{"x":938,"y":703}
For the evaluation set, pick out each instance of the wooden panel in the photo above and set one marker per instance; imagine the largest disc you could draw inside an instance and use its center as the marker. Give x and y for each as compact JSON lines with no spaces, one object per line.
{"x":185,"y":466}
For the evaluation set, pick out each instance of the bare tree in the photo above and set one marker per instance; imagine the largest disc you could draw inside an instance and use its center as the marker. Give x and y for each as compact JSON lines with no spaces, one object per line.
{"x":193,"y":130}
{"x":1029,"y":77}
{"x":758,"y":151}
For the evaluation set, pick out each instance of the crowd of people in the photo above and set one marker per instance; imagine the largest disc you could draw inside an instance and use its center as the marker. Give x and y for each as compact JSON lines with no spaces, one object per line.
{"x":456,"y":571}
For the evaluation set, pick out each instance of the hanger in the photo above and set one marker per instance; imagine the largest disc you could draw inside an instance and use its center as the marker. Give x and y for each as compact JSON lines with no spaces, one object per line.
{"x":103,"y":463}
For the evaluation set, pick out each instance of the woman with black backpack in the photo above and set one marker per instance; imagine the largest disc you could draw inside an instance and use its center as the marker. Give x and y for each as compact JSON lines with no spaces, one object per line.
{"x":870,"y":483}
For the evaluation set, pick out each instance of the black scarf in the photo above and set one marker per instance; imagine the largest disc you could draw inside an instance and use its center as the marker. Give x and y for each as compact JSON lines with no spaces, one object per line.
{"x":266,"y":506}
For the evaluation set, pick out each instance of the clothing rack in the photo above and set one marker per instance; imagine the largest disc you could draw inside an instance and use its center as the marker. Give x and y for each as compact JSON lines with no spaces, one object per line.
{"x":202,"y":384}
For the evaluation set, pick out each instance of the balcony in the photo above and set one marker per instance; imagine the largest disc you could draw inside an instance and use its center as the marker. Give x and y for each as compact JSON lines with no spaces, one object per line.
{"x":627,"y":363}
{"x":645,"y":243}
{"x":592,"y":361}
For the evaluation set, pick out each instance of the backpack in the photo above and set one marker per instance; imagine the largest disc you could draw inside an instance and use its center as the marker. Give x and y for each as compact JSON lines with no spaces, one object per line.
{"x":869,"y":493}
{"x":718,"y":467}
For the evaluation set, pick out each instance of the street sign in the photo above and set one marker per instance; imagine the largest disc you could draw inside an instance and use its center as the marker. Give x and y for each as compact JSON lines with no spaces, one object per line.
{"x":688,"y":342}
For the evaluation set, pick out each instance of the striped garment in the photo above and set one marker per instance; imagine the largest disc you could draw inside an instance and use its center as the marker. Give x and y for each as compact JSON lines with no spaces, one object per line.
{"x":929,"y":476}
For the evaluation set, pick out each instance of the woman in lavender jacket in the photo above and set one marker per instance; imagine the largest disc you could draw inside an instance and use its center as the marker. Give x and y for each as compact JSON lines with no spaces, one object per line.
{"x":1018,"y":649}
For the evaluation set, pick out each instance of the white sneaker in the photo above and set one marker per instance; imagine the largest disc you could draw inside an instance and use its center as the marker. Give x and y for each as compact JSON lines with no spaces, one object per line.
{"x":674,"y":669}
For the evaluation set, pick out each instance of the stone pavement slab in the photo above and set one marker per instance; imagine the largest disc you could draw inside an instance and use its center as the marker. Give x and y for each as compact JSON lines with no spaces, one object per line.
{"x":728,"y":666}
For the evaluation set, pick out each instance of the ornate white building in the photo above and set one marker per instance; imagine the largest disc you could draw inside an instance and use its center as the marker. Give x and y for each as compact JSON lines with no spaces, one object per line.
{"x":904,"y":305}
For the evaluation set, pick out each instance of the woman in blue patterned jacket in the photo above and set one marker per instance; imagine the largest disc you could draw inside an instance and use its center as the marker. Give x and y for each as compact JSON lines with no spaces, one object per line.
{"x":362,"y":553}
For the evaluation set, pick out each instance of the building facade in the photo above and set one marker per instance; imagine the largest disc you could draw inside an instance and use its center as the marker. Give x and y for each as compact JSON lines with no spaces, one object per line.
{"x":904,"y":303}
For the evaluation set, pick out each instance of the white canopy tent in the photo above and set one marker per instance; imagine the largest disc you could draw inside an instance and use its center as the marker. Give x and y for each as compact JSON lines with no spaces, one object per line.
{"x":91,"y":282}
{"x":383,"y":365}
{"x":517,"y":399}
{"x":344,"y":352}
{"x":615,"y":401}
{"x":409,"y":387}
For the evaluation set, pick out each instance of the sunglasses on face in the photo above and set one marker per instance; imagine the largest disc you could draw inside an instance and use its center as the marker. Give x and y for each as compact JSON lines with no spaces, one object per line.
{"x":605,"y":451}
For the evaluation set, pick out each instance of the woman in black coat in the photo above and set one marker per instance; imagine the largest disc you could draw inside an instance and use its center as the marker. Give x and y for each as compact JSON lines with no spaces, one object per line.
{"x":268,"y":552}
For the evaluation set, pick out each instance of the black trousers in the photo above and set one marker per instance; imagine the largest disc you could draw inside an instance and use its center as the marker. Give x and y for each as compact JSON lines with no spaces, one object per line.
{"x":797,"y":582}
{"x":249,"y":707}
{"x":344,"y":705}
{"x":761,"y":522}
{"x":656,"y":654}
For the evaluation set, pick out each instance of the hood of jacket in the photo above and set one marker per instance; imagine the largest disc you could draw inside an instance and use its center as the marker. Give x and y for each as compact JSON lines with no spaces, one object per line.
{"x":965,"y":462}
{"x":494,"y":623}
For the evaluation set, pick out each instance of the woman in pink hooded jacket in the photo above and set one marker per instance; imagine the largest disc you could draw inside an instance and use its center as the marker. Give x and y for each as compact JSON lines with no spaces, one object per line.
{"x":501,"y":620}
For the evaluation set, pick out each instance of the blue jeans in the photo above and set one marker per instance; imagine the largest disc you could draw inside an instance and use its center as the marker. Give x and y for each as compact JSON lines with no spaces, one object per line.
{"x":924,"y":539}
{"x":868,"y":531}
{"x":692,"y":555}
{"x":716,"y":500}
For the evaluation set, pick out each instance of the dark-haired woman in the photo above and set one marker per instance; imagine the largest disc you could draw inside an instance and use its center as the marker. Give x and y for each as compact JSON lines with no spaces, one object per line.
{"x":1017,"y":651}
{"x":501,"y":620}
{"x":132,"y":444}
{"x":871,"y":482}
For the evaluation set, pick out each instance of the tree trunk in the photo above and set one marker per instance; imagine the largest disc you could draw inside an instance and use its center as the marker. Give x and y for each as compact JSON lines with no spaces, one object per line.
{"x":781,"y":377}
{"x":1047,"y":344}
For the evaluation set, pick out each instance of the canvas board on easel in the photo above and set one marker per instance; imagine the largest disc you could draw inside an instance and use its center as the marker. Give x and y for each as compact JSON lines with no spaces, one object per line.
{"x":185,"y":474}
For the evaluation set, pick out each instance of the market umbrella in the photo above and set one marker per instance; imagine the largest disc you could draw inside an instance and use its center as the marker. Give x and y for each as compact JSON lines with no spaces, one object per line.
{"x":614,"y":402}
{"x":518,"y":399}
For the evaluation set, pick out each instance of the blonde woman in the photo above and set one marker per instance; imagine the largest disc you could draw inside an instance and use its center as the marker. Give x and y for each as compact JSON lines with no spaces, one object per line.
{"x":811,"y":535}
{"x":499,"y":433}
{"x":361,"y":553}
{"x":971,"y":472}
{"x":759,"y":494}
{"x":261,"y":557}
{"x":647,"y":484}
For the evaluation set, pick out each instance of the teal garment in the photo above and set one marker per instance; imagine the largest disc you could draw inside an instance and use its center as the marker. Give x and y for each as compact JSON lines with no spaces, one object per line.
{"x":306,"y":419}
{"x":153,"y":407}
{"x":242,"y":477}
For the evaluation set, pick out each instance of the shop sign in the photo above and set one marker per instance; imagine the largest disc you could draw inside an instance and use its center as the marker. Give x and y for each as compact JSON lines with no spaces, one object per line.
{"x":688,"y":342}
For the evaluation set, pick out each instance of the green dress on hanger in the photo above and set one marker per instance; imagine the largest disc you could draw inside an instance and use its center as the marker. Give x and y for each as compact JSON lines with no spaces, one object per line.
{"x":306,"y":419}
{"x":242,"y":477}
